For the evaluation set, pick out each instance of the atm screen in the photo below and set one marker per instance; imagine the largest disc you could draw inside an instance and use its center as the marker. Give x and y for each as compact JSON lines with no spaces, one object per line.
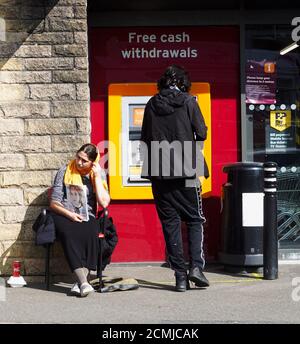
{"x":133,"y":113}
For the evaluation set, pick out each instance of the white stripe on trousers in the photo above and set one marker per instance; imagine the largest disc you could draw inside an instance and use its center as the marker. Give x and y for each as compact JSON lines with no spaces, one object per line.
{"x":199,"y":200}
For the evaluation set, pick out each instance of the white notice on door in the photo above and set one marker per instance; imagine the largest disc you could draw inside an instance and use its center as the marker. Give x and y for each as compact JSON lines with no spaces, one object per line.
{"x":253,"y":209}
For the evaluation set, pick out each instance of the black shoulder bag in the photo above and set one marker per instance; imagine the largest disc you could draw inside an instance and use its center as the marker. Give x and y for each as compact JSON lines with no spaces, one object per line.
{"x":44,"y":228}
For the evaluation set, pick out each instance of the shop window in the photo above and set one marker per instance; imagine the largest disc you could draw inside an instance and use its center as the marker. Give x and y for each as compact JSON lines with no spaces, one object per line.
{"x":272,"y":107}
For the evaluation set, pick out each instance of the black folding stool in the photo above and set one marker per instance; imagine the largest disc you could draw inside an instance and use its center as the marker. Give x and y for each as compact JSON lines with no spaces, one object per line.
{"x":103,"y":215}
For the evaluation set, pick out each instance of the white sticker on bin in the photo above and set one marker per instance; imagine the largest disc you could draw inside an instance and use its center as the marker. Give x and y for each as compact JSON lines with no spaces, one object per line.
{"x":253,"y":209}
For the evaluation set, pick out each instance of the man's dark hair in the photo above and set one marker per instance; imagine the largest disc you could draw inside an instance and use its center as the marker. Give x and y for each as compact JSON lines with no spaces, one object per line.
{"x":175,"y":76}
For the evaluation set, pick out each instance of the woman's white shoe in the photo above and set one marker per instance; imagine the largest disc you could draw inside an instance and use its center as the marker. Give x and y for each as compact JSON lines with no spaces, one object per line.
{"x":75,"y":289}
{"x":85,"y":289}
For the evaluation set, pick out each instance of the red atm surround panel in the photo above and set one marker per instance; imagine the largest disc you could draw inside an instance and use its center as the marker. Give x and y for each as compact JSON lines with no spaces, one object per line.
{"x":140,"y":235}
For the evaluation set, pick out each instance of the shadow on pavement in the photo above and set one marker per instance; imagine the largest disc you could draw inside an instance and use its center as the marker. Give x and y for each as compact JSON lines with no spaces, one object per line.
{"x":62,"y":288}
{"x":235,"y":271}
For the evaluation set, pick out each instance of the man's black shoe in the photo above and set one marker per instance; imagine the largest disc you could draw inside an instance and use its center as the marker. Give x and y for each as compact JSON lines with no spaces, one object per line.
{"x":196,"y":275}
{"x":182,"y":283}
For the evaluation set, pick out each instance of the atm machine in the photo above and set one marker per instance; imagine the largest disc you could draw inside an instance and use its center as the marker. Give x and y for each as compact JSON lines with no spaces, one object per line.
{"x":126,"y":104}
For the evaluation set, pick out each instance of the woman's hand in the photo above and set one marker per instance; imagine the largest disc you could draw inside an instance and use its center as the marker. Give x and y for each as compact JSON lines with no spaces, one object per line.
{"x":75,"y":217}
{"x":96,"y":170}
{"x":102,"y":195}
{"x":60,"y":209}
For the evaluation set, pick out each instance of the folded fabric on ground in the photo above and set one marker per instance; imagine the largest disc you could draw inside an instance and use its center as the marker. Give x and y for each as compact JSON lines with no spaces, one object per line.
{"x":116,"y":283}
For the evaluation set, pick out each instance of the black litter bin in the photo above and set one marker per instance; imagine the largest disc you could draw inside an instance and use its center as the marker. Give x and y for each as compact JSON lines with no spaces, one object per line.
{"x":242,"y":215}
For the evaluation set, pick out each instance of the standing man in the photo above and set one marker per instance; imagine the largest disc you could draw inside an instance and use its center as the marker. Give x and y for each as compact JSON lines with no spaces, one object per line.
{"x":173,"y":127}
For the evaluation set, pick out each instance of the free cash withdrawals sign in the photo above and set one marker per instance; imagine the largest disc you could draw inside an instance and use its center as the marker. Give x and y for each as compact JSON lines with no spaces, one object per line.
{"x":134,"y":54}
{"x":158,"y":45}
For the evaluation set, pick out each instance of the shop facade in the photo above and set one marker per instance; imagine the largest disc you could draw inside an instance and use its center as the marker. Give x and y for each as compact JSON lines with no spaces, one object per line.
{"x":70,"y":68}
{"x":253,"y":88}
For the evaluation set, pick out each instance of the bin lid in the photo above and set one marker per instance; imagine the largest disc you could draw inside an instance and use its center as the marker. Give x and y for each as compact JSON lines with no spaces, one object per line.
{"x":243,"y":166}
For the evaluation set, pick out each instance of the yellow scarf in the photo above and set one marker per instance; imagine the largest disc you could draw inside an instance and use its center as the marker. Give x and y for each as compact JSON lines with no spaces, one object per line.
{"x":73,"y":177}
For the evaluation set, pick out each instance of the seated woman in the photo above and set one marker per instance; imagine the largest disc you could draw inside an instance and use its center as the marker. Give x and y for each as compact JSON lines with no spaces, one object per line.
{"x":78,"y":233}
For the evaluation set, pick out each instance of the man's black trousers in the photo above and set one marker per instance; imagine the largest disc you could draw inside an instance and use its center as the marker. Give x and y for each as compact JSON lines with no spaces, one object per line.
{"x":176,"y":202}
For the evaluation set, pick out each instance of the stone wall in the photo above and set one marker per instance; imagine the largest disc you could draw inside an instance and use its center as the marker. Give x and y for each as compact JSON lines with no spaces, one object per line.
{"x":44,"y":116}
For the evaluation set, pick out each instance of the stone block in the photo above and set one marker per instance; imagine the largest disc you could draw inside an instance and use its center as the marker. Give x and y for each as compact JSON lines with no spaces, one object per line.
{"x":53,"y":92}
{"x":53,"y":63}
{"x":83,"y":125}
{"x":51,"y":38}
{"x":31,"y":11}
{"x":34,"y":50}
{"x":10,"y":231}
{"x":52,"y":161}
{"x":25,"y":144}
{"x":70,"y":109}
{"x":16,"y":37}
{"x":13,"y":92}
{"x":27,"y":232}
{"x":21,"y":11}
{"x":80,"y":12}
{"x":11,"y":196}
{"x":35,"y":266}
{"x":36,"y":196}
{"x":50,"y":126}
{"x":80,"y":37}
{"x":82,"y":92}
{"x":12,"y":215}
{"x":21,"y":249}
{"x":8,"y":12}
{"x":25,"y":25}
{"x":10,"y":127}
{"x":66,"y":2}
{"x":70,"y":76}
{"x":15,"y":64}
{"x":65,"y":25}
{"x":18,"y":214}
{"x":5,"y":246}
{"x":23,"y":77}
{"x":8,"y":49}
{"x":12,"y":161}
{"x":60,"y":12}
{"x":25,"y":178}
{"x":26,"y":109}
{"x":59,"y":266}
{"x":81,"y":63}
{"x":70,"y":50}
{"x":68,"y":143}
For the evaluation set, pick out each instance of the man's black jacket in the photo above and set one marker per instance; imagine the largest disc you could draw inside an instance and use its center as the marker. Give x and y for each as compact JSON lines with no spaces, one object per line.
{"x":172,"y":119}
